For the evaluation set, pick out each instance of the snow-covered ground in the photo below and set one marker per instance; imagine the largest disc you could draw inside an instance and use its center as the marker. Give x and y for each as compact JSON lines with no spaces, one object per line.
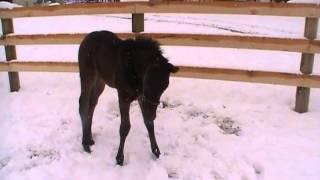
{"x":206,"y":129}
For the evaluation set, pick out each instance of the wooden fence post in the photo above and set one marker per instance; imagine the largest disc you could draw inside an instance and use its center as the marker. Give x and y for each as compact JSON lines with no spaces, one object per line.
{"x":7,"y":28}
{"x":306,"y":66}
{"x":137,"y":22}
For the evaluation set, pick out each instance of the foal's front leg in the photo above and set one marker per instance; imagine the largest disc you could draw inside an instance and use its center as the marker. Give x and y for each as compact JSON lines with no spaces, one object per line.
{"x":124,"y":127}
{"x":149,"y":117}
{"x":154,"y":146}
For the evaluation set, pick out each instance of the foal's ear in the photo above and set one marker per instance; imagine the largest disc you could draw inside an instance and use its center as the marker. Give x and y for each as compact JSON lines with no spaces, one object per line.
{"x":172,"y":68}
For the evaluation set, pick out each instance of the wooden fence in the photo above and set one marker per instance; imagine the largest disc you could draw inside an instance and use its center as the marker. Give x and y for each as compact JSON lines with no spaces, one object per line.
{"x":307,"y":46}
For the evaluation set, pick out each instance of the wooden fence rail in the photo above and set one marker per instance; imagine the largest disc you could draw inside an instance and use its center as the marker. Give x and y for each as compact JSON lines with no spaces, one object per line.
{"x":225,"y":41}
{"x":308,"y":46}
{"x":215,"y":7}
{"x":185,"y":71}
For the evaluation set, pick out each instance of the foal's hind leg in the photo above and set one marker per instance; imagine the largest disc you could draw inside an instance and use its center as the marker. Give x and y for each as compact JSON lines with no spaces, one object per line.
{"x":124,"y":105}
{"x":84,"y":104}
{"x":96,"y":91}
{"x":91,"y":88}
{"x":87,"y":83}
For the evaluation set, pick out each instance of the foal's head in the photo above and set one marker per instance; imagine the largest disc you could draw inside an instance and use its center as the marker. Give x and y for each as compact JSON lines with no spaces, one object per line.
{"x":156,"y":76}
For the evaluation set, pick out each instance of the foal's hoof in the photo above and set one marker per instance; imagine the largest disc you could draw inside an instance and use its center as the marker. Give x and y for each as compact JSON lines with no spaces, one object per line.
{"x":91,"y":142}
{"x":86,"y":145}
{"x":120,"y":159}
{"x":156,"y":152}
{"x":87,"y":148}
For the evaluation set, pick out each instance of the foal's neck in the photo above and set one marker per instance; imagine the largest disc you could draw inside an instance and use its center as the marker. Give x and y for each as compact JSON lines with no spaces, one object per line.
{"x":137,"y":57}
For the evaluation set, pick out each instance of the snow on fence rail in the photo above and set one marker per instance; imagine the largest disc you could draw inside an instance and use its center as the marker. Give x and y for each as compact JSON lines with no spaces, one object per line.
{"x":307,"y":46}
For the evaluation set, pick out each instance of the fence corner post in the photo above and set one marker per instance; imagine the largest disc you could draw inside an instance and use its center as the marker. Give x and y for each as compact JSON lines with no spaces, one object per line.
{"x":306,"y":66}
{"x":7,"y":28}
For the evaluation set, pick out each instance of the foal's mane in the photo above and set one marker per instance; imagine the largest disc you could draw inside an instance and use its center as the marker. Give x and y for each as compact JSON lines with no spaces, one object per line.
{"x":148,"y":44}
{"x":145,"y":44}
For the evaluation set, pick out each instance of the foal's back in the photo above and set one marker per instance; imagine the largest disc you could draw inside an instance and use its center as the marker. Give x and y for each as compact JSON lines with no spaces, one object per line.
{"x":99,"y":55}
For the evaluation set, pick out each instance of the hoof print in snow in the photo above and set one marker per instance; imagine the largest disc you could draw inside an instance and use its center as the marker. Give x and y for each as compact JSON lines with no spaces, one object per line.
{"x":173,"y":175}
{"x":4,"y":162}
{"x":170,"y":105}
{"x":228,"y":126}
{"x":216,"y":175}
{"x":42,"y":156}
{"x":258,"y":169}
{"x":195,"y":114}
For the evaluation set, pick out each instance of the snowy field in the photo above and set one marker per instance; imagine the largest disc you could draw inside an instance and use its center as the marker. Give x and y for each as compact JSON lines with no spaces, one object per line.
{"x":206,"y":129}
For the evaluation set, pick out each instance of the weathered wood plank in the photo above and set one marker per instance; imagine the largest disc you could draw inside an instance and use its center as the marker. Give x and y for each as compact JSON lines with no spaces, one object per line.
{"x":185,"y":71}
{"x":224,"y":41}
{"x":231,"y":7}
{"x":31,"y":66}
{"x":69,"y":9}
{"x":214,"y":7}
{"x":250,"y":76}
